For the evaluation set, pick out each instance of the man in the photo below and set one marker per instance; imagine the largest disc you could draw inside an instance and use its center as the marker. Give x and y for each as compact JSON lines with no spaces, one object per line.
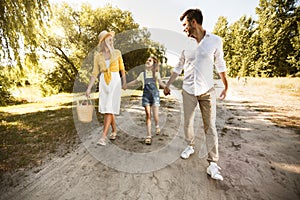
{"x":198,"y":85}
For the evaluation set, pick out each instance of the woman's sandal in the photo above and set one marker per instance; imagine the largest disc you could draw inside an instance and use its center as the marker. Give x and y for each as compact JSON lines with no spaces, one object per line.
{"x":101,"y":142}
{"x":113,"y":136}
{"x":157,"y":131}
{"x":148,"y":140}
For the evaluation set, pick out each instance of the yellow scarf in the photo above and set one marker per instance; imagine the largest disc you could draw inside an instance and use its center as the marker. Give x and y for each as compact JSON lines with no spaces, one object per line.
{"x":116,"y":64}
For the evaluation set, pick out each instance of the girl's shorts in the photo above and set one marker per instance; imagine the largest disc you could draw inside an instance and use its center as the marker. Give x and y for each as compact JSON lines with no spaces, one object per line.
{"x":150,"y":96}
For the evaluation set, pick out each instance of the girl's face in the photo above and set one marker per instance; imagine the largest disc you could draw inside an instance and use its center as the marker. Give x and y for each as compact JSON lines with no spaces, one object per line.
{"x":149,"y":62}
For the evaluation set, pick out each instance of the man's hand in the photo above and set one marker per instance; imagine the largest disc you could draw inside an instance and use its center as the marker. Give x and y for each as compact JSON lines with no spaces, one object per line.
{"x":167,"y":91}
{"x":223,"y":94}
{"x":224,"y":80}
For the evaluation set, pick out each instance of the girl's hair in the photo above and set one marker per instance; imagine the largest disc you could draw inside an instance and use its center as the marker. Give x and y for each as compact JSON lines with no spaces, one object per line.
{"x":155,"y":67}
{"x":104,"y":44}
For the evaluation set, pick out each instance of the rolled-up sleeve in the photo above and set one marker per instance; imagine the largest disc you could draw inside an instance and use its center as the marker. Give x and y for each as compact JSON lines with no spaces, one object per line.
{"x":179,"y":66}
{"x":219,"y":57}
{"x":95,"y":71}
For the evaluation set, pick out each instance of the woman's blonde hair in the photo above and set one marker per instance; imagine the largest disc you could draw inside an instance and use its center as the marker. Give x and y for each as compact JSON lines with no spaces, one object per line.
{"x":104,"y":43}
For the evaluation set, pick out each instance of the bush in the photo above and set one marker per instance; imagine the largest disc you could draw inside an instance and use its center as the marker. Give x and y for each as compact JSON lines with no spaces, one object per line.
{"x":5,"y":95}
{"x":48,"y":90}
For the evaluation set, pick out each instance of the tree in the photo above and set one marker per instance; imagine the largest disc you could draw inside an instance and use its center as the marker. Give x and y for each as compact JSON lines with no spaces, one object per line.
{"x":73,"y":49}
{"x":277,"y":29}
{"x":221,"y":29}
{"x":20,"y":24}
{"x":240,"y":34}
{"x":294,"y":57}
{"x":266,"y":47}
{"x":237,"y":49}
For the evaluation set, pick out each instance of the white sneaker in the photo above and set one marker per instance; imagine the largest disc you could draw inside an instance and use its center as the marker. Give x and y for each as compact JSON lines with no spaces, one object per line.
{"x":213,"y":171}
{"x":189,"y":150}
{"x":101,"y":142}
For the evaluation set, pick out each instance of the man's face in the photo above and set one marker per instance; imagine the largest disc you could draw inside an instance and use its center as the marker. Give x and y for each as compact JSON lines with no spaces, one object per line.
{"x":188,"y":27}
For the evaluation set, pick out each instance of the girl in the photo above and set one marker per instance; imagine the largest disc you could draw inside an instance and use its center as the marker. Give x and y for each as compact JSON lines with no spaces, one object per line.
{"x":108,"y":61}
{"x":150,"y":98}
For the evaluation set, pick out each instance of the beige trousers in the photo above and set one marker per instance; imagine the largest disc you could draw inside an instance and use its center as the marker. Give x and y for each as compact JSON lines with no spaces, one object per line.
{"x":207,"y":104}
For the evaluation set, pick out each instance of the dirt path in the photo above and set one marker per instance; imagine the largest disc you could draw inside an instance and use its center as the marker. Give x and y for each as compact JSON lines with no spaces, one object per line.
{"x":259,"y":160}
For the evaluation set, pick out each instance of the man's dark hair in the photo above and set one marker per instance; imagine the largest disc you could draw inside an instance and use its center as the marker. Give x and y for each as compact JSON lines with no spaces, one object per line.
{"x":193,"y":14}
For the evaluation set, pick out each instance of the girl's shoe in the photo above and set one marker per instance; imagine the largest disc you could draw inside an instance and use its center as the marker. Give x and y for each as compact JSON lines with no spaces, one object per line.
{"x":157,"y":131}
{"x":148,"y":140}
{"x":101,"y":142}
{"x":113,"y":136}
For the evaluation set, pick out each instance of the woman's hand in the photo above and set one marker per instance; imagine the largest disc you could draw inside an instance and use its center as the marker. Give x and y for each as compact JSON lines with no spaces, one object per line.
{"x":124,"y":86}
{"x":88,"y":92}
{"x":89,"y":88}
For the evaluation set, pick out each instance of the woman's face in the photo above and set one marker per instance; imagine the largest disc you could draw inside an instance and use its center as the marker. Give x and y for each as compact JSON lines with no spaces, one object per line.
{"x":109,"y":41}
{"x":149,"y":62}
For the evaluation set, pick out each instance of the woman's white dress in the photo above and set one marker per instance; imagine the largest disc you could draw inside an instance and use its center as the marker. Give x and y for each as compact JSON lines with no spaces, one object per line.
{"x":110,"y":95}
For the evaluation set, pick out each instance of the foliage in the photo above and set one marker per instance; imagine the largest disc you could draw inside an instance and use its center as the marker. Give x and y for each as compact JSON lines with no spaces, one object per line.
{"x":55,"y":45}
{"x":5,"y":95}
{"x":267,"y":47}
{"x":276,"y":26}
{"x":72,"y":50}
{"x":21,"y":23}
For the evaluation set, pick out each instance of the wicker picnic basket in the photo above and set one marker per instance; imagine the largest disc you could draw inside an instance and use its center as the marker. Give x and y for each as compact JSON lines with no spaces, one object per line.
{"x":85,"y":110}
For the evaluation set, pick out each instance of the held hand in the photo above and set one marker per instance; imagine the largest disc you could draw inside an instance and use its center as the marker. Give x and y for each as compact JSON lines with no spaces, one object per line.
{"x":223,"y":95}
{"x":124,"y":86}
{"x":167,"y":91}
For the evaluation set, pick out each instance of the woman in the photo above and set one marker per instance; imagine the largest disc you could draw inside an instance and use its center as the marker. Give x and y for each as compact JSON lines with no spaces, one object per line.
{"x":150,"y":77}
{"x":108,"y":62}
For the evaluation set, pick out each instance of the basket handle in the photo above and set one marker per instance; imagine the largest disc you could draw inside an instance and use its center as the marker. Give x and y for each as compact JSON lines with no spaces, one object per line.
{"x":88,"y":100}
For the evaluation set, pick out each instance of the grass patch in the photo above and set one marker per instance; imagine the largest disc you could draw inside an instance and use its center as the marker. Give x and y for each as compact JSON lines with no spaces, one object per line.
{"x":280,"y":117}
{"x":279,"y":96}
{"x":283,"y":121}
{"x":283,"y":84}
{"x":32,"y":133}
{"x":26,"y":139}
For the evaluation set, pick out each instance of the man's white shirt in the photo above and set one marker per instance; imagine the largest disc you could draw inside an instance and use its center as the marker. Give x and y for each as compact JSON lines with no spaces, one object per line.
{"x":198,"y":61}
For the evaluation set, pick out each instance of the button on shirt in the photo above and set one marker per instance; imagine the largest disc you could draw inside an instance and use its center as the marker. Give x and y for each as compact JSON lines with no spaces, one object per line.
{"x":198,"y":61}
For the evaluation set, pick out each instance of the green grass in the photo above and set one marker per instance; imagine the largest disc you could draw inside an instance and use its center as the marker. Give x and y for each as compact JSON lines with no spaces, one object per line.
{"x":26,"y":139}
{"x":32,"y":133}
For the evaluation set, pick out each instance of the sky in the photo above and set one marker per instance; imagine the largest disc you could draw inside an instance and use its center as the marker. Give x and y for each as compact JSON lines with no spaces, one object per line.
{"x":165,"y":13}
